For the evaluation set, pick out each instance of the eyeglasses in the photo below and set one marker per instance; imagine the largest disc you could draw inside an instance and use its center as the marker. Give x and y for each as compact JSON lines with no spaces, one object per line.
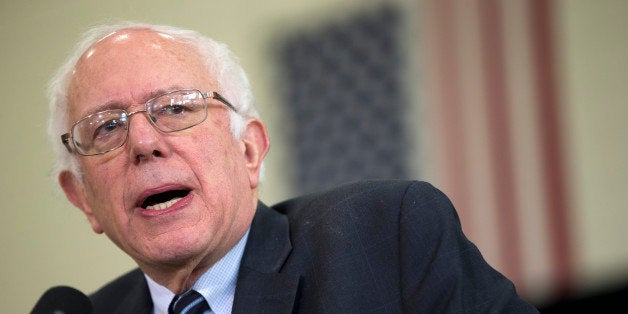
{"x":104,"y":131}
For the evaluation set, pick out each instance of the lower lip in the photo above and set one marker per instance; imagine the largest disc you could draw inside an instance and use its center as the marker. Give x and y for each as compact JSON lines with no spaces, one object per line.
{"x":179,"y":205}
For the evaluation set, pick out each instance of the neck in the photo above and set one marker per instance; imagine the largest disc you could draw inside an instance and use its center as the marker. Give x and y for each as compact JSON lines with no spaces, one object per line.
{"x":178,"y":278}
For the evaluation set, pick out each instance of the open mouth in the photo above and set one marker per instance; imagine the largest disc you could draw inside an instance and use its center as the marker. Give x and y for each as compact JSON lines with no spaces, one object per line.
{"x":164,"y":200}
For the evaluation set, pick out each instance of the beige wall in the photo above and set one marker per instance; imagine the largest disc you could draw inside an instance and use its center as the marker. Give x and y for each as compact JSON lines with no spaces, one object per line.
{"x":595,"y":76}
{"x":44,"y":241}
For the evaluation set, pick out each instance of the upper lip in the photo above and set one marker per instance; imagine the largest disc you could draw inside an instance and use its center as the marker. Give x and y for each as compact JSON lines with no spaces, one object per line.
{"x":157,"y":190}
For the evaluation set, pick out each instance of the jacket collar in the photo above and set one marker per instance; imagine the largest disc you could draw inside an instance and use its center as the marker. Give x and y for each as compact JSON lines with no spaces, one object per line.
{"x":260,"y":286}
{"x":137,"y":299}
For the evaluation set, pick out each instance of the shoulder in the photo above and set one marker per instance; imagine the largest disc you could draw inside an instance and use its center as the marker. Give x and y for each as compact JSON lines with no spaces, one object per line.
{"x":383,"y":190}
{"x":127,"y":291}
{"x":378,"y":197}
{"x":347,"y":241}
{"x":368,"y":206}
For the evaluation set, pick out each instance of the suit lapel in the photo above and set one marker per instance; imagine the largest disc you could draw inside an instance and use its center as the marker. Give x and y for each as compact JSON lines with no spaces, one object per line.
{"x":137,"y":299}
{"x":260,"y":287}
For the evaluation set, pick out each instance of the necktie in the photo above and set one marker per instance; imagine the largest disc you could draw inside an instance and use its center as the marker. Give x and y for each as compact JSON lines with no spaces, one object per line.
{"x":189,"y":302}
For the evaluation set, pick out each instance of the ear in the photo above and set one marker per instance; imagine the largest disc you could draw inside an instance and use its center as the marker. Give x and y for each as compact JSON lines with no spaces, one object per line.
{"x":75,"y":192}
{"x":256,"y":145}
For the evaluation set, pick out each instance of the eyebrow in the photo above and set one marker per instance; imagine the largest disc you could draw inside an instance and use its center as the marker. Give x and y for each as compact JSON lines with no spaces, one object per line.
{"x":114,"y":104}
{"x":156,"y":92}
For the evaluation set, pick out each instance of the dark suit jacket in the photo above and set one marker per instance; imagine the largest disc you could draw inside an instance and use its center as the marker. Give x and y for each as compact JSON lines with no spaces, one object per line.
{"x":379,"y":247}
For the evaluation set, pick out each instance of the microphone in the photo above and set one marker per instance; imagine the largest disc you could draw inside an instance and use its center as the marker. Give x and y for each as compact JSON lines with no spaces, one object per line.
{"x":63,"y":300}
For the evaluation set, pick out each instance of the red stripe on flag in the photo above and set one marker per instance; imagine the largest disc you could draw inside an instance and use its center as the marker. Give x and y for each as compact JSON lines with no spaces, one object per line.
{"x":451,"y":122}
{"x":500,"y":138}
{"x":551,"y":141}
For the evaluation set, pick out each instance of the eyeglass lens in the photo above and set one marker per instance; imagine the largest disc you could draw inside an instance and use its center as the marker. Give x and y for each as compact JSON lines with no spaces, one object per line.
{"x":107,"y":130}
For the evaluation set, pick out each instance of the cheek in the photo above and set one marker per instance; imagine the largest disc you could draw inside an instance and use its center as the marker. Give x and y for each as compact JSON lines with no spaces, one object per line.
{"x":105,"y":167}
{"x":216,"y":162}
{"x":104,"y":192}
{"x":104,"y":187}
{"x":212,"y":146}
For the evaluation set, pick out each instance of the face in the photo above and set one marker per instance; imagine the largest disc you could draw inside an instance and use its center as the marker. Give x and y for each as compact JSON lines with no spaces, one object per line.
{"x":163,"y":198}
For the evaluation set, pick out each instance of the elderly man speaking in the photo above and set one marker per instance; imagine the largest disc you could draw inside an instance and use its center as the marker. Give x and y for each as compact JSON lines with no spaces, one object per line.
{"x":160,"y":146}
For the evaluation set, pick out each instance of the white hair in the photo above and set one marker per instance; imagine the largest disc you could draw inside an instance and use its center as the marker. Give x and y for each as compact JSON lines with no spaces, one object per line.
{"x":232,"y":82}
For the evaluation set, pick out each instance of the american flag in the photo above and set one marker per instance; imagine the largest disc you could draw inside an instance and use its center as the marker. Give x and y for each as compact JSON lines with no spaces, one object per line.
{"x":482,"y":121}
{"x":343,"y":96}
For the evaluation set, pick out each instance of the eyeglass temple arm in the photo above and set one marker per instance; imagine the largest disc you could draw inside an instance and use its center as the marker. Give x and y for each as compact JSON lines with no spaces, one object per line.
{"x":65,"y":139}
{"x":215,"y":95}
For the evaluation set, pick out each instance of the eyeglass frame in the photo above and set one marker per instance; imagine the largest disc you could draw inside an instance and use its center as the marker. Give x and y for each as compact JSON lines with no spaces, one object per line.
{"x":69,"y":137}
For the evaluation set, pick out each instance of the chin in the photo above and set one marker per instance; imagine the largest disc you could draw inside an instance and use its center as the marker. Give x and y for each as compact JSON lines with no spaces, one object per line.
{"x":173,"y":250}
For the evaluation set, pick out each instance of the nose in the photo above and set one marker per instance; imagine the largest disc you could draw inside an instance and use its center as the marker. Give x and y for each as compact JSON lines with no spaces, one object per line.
{"x":144,"y":140}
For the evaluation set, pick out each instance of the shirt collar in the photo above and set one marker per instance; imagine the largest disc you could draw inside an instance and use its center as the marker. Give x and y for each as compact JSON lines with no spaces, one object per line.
{"x":217,"y":284}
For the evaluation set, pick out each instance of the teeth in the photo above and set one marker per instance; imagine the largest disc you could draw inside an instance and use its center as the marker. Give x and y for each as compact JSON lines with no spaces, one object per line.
{"x":164,"y":205}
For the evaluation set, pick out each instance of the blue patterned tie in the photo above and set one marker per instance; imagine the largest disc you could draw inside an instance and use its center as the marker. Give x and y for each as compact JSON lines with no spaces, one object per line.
{"x":189,"y":302}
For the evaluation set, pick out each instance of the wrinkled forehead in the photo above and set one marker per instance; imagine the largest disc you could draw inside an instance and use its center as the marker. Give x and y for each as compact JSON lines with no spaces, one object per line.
{"x":128,"y":65}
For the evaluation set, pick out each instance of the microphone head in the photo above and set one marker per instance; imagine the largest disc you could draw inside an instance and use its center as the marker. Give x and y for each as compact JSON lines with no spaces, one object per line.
{"x":63,"y":300}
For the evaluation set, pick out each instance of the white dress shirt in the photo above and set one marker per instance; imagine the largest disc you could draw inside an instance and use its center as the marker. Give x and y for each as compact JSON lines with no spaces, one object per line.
{"x":217,"y":284}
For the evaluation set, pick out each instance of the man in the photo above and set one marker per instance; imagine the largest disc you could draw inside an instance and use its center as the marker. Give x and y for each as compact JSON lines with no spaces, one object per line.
{"x":160,"y":146}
